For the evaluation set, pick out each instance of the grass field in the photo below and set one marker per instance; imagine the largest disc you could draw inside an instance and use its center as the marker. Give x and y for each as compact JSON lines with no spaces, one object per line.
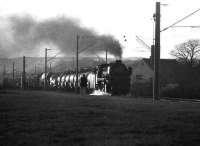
{"x":32,"y":118}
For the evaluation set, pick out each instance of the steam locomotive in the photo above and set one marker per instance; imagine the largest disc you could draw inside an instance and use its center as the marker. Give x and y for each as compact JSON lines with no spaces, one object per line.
{"x":113,"y":78}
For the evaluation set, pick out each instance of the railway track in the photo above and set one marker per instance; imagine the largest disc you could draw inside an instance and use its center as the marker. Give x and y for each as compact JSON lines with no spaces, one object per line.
{"x":180,"y":99}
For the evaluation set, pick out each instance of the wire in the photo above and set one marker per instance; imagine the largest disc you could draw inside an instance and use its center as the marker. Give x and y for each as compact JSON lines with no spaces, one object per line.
{"x":53,"y":56}
{"x":180,"y":20}
{"x":188,"y":26}
{"x":88,"y":47}
{"x":142,"y":42}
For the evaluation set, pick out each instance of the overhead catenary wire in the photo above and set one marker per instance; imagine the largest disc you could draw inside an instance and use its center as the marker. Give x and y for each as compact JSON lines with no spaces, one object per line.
{"x":139,"y":40}
{"x":191,"y":26}
{"x":180,"y":20}
{"x":54,"y":56}
{"x":86,"y":48}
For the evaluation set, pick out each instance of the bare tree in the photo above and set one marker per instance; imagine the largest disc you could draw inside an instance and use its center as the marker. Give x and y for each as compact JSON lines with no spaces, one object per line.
{"x":188,"y":52}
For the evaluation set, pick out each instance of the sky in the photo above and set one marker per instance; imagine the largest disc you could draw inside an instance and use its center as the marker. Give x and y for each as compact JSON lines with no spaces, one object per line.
{"x":118,"y":18}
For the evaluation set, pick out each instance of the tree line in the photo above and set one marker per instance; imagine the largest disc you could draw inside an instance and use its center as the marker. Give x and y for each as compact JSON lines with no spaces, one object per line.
{"x":187,"y":52}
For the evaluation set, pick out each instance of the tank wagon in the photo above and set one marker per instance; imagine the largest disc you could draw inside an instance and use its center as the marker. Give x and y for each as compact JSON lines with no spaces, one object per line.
{"x":112,"y":78}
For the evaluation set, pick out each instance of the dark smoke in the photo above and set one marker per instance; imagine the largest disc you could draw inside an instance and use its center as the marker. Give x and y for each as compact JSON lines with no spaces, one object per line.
{"x":25,"y":34}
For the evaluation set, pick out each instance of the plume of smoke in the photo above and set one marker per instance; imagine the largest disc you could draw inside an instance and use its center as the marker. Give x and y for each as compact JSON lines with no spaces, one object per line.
{"x":20,"y":35}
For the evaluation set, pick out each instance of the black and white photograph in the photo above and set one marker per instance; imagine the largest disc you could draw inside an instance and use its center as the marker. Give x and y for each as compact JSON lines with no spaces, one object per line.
{"x":99,"y":73}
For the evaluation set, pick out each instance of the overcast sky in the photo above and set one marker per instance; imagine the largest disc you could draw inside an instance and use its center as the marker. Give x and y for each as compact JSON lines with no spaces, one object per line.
{"x":118,"y":18}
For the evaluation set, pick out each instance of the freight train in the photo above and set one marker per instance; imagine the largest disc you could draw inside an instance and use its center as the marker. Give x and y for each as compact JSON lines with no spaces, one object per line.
{"x":113,"y":78}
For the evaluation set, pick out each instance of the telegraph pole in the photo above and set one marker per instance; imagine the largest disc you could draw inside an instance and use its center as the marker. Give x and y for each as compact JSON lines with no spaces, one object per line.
{"x":13,"y":71}
{"x":35,"y":69}
{"x":77,"y":43}
{"x":4,"y":70}
{"x":24,"y":73}
{"x":45,"y":69}
{"x":106,"y":55}
{"x":156,"y":84}
{"x":4,"y":75}
{"x":152,"y":58}
{"x":73,"y":63}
